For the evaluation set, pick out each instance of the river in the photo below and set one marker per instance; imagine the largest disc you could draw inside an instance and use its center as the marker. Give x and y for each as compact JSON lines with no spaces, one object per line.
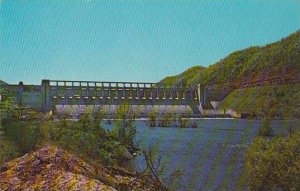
{"x":209,"y":157}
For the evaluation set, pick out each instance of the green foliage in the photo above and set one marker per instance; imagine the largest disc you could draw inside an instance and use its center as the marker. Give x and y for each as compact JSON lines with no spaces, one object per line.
{"x":6,"y":103}
{"x":97,"y":117}
{"x":152,"y":118}
{"x":18,"y":137}
{"x":85,"y":138}
{"x":266,"y":128}
{"x":254,"y":63}
{"x":184,"y":79}
{"x":85,"y":123}
{"x":88,"y":139}
{"x":165,"y":120}
{"x":183,"y":123}
{"x":273,"y":164}
{"x":8,"y":150}
{"x":281,"y":100}
{"x":125,"y":128}
{"x":23,"y":134}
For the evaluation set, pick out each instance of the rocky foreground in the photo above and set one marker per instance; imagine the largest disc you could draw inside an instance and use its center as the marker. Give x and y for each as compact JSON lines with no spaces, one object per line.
{"x":51,"y":168}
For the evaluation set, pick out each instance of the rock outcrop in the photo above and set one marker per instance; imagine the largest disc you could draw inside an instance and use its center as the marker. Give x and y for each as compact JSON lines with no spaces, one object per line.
{"x":51,"y":168}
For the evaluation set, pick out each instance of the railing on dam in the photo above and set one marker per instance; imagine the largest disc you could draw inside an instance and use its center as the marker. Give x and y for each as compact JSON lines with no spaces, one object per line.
{"x":97,"y":93}
{"x":102,"y":84}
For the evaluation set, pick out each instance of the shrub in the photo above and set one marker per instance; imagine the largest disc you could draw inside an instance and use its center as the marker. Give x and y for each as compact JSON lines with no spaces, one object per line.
{"x":273,"y":164}
{"x":152,"y":119}
{"x":125,"y":128}
{"x":182,"y":122}
{"x":266,"y":128}
{"x":88,"y":139}
{"x":8,"y":151}
{"x":165,"y":120}
{"x":23,"y":134}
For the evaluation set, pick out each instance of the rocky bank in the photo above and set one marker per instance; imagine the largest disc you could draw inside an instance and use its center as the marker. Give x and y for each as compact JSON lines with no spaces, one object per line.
{"x":51,"y":168}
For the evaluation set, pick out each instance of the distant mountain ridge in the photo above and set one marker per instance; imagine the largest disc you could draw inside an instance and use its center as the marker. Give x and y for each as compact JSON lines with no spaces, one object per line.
{"x":276,"y":63}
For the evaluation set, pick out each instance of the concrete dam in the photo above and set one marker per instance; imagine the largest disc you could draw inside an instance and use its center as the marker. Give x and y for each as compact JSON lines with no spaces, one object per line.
{"x":79,"y":96}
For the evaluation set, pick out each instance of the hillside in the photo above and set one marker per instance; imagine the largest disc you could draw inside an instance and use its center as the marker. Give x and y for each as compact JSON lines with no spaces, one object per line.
{"x":256,"y":80}
{"x":278,"y":62}
{"x":279,"y":100}
{"x":187,"y":77}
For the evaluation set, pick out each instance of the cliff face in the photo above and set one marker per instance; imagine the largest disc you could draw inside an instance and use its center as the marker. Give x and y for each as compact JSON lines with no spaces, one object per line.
{"x":51,"y":168}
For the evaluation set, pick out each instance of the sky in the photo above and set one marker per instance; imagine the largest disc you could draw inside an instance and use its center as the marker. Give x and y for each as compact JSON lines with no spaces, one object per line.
{"x":143,"y":41}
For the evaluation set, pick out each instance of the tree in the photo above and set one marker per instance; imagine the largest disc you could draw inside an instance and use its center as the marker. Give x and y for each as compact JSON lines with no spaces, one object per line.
{"x":85,"y":122}
{"x":97,"y":117}
{"x":6,"y":103}
{"x":154,"y":171}
{"x":266,"y":127}
{"x":182,"y":122}
{"x":152,"y":118}
{"x":125,"y":125}
{"x":165,"y":120}
{"x":273,"y":164}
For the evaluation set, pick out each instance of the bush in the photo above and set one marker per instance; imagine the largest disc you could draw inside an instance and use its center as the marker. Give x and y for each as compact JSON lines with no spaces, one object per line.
{"x":125,"y":128}
{"x":273,"y":164}
{"x":182,"y":122}
{"x":23,"y":134}
{"x":266,"y":128}
{"x":85,"y":138}
{"x":88,"y":140}
{"x":8,"y":151}
{"x":165,"y":120}
{"x":152,"y":119}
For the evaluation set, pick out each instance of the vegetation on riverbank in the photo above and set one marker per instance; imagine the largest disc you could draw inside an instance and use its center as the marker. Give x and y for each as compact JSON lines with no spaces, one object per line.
{"x":273,"y":164}
{"x":281,"y":101}
{"x":85,"y":138}
{"x":169,"y":120}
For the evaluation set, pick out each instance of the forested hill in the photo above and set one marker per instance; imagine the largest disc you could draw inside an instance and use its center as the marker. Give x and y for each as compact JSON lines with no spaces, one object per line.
{"x":276,"y":63}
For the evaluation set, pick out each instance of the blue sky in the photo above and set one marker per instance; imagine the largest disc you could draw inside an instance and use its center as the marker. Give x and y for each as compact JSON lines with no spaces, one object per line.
{"x":103,"y":40}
